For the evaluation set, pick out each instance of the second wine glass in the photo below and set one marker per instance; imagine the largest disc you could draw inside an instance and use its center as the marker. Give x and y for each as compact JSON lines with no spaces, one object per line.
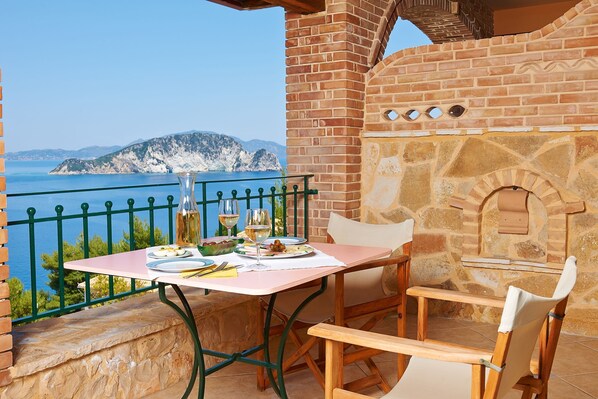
{"x":228,"y":213}
{"x":258,"y":227}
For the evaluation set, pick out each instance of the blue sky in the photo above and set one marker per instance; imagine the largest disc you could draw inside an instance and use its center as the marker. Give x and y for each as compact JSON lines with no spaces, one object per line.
{"x":78,"y":73}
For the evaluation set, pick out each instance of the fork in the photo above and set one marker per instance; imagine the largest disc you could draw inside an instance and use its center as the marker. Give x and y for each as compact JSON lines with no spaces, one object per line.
{"x":204,"y":273}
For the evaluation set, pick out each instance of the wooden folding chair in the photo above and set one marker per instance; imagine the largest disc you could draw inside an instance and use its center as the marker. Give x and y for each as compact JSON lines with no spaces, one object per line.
{"x":356,"y":293}
{"x":441,"y":370}
{"x":537,"y":380}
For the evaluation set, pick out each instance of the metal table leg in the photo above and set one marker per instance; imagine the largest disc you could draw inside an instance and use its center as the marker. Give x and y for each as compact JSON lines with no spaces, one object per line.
{"x":279,"y":388}
{"x":189,"y":319}
{"x":199,"y":371}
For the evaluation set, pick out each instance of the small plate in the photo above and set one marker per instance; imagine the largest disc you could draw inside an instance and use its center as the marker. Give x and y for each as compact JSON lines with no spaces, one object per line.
{"x":179,"y":265}
{"x":152,"y":255}
{"x":285,"y":240}
{"x":292,"y":251}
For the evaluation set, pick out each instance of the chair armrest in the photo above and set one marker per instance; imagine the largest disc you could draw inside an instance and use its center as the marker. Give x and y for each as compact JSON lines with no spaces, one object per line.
{"x":456,"y":296}
{"x":406,"y":346}
{"x":395,"y":260}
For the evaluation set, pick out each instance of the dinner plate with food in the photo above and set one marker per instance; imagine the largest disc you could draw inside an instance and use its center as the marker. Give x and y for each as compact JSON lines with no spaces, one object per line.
{"x":276,"y":250}
{"x":167,"y":252}
{"x":285,"y":240}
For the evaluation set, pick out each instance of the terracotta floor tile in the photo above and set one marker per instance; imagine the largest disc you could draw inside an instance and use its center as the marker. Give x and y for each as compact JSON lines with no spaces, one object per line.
{"x":574,"y":359}
{"x":585,"y":382}
{"x":575,"y":371}
{"x":591,"y":343}
{"x":561,"y":389}
{"x":462,"y":336}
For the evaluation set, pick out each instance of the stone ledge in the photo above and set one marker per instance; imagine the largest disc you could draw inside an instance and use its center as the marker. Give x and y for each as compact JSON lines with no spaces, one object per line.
{"x":95,"y":336}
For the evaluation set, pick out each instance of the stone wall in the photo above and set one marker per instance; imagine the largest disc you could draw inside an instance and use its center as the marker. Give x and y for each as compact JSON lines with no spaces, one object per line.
{"x":125,"y":350}
{"x":328,"y":55}
{"x":443,"y":121}
{"x":5,"y":320}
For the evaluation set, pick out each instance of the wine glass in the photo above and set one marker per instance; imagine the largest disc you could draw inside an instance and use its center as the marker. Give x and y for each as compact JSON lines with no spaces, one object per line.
{"x":258,"y":227}
{"x":228,"y":213}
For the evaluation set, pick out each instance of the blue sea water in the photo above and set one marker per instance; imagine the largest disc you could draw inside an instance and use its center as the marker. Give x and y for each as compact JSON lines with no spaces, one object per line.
{"x":32,"y":176}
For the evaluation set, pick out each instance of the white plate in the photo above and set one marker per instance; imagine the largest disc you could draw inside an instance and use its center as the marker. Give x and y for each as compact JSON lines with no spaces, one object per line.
{"x":179,"y":265}
{"x":285,"y":240}
{"x":294,"y":251}
{"x":183,"y":255}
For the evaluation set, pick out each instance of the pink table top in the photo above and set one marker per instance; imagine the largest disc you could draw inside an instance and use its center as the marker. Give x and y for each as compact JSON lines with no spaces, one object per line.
{"x":132,"y":265}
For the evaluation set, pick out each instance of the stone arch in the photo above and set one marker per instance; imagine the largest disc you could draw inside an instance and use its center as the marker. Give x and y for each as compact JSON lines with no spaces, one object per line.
{"x":556,"y":210}
{"x":441,"y":20}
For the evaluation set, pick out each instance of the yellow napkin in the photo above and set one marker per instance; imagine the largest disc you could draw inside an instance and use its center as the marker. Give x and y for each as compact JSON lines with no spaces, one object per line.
{"x":228,"y":272}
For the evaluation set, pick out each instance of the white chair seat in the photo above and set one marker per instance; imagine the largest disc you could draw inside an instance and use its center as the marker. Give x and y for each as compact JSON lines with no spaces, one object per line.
{"x":451,"y":381}
{"x":363,"y":289}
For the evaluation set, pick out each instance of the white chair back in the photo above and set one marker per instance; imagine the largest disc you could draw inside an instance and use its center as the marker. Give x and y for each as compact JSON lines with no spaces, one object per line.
{"x":367,"y":285}
{"x":524,"y":314}
{"x":350,"y":232}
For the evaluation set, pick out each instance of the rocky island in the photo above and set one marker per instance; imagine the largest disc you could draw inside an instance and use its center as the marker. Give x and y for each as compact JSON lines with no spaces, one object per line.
{"x":194,"y":151}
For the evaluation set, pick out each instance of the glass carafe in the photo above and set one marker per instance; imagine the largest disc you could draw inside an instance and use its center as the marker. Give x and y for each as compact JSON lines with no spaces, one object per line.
{"x":188,"y":226}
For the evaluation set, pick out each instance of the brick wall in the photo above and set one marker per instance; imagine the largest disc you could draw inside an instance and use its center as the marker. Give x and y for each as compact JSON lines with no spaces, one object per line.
{"x":327,"y":59}
{"x":544,"y":78}
{"x":5,"y":321}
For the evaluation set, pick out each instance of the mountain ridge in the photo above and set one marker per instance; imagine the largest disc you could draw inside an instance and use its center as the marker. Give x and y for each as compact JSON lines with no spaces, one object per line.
{"x":188,"y":151}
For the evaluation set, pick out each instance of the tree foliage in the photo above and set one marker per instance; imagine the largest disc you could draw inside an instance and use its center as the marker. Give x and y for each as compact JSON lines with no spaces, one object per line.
{"x":21,"y":299}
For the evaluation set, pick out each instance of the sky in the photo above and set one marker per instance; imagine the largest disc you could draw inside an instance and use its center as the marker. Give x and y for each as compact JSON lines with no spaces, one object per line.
{"x":79,"y":73}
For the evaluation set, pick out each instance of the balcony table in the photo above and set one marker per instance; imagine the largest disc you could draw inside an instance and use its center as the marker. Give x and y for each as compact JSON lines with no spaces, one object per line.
{"x":133,"y":265}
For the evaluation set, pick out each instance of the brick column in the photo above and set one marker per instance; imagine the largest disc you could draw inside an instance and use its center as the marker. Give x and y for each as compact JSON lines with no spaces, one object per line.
{"x":5,"y":321}
{"x":327,"y":56}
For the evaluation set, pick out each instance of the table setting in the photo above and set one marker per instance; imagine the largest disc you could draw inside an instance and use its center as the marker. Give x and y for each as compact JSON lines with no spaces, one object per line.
{"x":226,"y":257}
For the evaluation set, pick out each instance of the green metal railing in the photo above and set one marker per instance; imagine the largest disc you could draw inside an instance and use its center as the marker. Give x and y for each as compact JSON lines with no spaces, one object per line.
{"x":282,"y":198}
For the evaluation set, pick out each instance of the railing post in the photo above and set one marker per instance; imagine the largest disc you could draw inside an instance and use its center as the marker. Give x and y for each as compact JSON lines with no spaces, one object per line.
{"x":273,"y":211}
{"x":32,"y":261}
{"x":219,"y":195}
{"x":131,"y":203}
{"x":295,"y":196}
{"x":152,"y":238}
{"x":284,"y":210}
{"x":59,"y":209}
{"x":170,"y":200}
{"x":236,"y":228}
{"x":248,"y":197}
{"x":260,"y":192}
{"x":108,"y":205}
{"x":306,"y":206}
{"x":85,"y":219}
{"x":204,"y":207}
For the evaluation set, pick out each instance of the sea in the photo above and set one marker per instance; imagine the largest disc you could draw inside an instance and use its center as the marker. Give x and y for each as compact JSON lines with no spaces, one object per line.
{"x":33,"y":176}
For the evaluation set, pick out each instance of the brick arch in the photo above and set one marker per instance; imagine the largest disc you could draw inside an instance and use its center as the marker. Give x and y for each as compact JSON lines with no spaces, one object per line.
{"x":441,"y":20}
{"x":556,"y":209}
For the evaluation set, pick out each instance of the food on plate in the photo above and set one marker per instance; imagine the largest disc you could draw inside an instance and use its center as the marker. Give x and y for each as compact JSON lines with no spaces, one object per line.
{"x":277,"y":246}
{"x":219,"y":247}
{"x":168,"y":252}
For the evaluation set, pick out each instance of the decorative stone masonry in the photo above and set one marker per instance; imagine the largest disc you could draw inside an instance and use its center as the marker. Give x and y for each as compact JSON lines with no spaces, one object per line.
{"x":125,"y":350}
{"x":5,"y":320}
{"x":525,"y":113}
{"x":556,"y":208}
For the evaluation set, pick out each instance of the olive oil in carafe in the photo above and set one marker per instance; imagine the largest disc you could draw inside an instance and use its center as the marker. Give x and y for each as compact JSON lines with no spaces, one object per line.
{"x":188,"y":232}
